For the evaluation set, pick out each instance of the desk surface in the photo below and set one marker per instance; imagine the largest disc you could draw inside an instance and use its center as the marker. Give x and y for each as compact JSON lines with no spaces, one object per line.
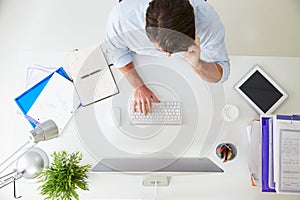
{"x":234,"y":183}
{"x":169,"y":79}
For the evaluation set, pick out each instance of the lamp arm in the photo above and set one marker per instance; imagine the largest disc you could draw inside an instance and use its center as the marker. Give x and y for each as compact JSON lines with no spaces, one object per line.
{"x":15,"y":156}
{"x":44,"y":131}
{"x":13,"y":176}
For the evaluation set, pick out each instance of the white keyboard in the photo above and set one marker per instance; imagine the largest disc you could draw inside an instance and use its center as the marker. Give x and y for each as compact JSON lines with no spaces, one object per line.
{"x":165,"y":112}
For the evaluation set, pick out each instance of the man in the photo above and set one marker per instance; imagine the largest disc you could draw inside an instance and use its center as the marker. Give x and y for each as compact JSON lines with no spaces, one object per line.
{"x":160,"y":27}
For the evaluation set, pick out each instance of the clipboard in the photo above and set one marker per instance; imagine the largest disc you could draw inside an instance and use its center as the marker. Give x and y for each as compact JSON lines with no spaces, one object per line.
{"x":28,"y":98}
{"x":286,"y":158}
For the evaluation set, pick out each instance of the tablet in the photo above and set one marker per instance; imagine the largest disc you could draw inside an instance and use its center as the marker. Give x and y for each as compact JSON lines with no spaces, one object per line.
{"x":260,"y":91}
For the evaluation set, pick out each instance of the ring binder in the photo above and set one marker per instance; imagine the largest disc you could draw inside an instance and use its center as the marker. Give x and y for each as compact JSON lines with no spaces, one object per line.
{"x":280,"y":153}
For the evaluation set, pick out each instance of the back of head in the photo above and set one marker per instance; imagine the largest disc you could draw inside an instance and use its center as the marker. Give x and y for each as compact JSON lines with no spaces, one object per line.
{"x":171,"y":24}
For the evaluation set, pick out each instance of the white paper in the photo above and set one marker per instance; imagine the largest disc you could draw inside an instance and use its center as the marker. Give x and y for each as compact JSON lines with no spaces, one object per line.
{"x":271,"y":162}
{"x":75,"y":60}
{"x":286,"y":146}
{"x":290,"y":161}
{"x":54,"y":102}
{"x":36,"y":73}
{"x":254,"y":136}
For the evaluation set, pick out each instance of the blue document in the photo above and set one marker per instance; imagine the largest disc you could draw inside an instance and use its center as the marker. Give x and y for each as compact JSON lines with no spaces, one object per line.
{"x":28,"y":98}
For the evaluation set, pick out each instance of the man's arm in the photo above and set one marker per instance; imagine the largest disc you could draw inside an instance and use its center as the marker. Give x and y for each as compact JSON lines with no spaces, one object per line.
{"x":208,"y":71}
{"x":142,"y":94}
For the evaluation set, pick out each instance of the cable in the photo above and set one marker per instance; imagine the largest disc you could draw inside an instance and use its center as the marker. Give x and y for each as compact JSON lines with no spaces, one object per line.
{"x":156,"y":190}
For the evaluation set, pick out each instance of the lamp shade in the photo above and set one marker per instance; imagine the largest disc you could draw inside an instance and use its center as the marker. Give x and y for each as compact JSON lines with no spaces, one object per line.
{"x":32,"y":163}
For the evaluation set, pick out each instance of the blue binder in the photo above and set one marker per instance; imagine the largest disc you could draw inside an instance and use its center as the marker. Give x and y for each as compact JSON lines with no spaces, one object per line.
{"x":288,"y":117}
{"x":268,"y":184}
{"x":27,"y":99}
{"x":267,"y":167}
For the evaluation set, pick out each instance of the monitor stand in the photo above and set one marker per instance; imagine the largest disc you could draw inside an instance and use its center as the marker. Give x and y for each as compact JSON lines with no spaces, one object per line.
{"x":156,"y":180}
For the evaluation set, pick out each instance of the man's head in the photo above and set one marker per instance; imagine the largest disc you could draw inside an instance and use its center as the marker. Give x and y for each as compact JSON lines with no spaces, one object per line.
{"x":170,"y":24}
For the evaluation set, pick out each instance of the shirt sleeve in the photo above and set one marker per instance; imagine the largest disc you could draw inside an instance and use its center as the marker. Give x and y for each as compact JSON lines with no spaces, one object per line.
{"x":210,"y":29}
{"x":117,"y":51}
{"x":226,"y":70}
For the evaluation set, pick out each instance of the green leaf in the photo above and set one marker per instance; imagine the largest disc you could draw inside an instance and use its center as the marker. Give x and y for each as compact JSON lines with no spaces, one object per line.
{"x":63,"y":176}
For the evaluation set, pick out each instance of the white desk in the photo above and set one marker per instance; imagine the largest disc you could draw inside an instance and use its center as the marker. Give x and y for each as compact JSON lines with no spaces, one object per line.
{"x":169,"y":79}
{"x":233,"y":184}
{"x":41,"y":26}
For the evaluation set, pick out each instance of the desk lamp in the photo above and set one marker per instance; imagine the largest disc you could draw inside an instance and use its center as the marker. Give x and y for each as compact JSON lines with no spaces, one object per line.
{"x":30,"y":161}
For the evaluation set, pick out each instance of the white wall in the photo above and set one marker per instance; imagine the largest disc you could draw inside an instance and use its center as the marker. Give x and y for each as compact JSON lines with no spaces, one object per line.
{"x":43,"y":26}
{"x":39,"y":26}
{"x":262,"y":28}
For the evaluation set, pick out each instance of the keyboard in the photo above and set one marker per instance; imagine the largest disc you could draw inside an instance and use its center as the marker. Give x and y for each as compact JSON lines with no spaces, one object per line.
{"x":165,"y":112}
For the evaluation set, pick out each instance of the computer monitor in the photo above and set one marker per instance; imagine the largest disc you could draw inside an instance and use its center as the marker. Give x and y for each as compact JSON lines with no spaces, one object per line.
{"x":157,"y":169}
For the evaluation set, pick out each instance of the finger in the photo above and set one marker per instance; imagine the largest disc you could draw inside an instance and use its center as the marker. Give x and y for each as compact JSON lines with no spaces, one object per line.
{"x":155,"y":98}
{"x":197,"y":41}
{"x":186,"y":55}
{"x":149,"y":105}
{"x":144,"y":107}
{"x":192,"y":51}
{"x":140,"y":107}
{"x":193,"y":48}
{"x":134,"y":105}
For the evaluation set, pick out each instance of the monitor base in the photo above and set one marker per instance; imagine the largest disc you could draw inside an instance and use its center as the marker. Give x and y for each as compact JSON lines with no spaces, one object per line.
{"x":156,"y":180}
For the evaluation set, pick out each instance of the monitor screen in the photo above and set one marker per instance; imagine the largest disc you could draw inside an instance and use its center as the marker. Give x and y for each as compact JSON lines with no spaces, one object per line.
{"x":183,"y":165}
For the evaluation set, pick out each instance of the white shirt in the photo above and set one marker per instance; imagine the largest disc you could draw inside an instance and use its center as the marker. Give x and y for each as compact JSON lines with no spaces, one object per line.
{"x":125,"y":34}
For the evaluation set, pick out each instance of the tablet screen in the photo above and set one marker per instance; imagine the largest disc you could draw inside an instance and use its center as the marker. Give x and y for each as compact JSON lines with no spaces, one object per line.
{"x":260,"y":91}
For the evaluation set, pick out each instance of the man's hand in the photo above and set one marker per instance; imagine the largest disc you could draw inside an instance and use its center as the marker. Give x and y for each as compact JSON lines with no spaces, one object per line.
{"x":142,"y":94}
{"x":208,"y":71}
{"x":192,"y":56}
{"x":142,"y":99}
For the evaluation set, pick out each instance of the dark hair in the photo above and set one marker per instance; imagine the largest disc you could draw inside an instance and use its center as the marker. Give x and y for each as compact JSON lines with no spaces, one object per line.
{"x":171,"y":24}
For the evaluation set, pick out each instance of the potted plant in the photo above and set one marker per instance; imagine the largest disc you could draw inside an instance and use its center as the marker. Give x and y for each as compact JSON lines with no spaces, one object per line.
{"x":63,"y":176}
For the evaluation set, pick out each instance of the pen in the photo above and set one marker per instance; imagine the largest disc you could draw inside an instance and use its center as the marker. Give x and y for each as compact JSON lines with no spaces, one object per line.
{"x":85,"y":76}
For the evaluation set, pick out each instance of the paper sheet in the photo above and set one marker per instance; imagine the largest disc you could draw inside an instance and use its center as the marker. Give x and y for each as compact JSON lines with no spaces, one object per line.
{"x":286,"y":141}
{"x":76,"y":59}
{"x":271,"y":182}
{"x":37,"y":73}
{"x":289,"y":161}
{"x":55,"y":102}
{"x":254,"y":139}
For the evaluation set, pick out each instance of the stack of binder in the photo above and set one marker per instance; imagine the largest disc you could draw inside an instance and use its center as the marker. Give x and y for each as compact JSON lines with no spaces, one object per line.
{"x":275,"y":153}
